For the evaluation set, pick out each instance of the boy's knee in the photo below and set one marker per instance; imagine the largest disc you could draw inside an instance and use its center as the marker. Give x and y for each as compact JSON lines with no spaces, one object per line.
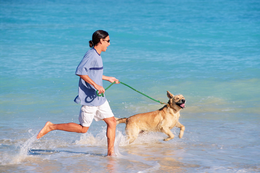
{"x":111,"y":121}
{"x":84,"y":129}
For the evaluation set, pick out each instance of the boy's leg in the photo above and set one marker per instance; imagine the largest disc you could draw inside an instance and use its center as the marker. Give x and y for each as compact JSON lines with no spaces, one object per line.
{"x":85,"y":118}
{"x":111,"y":134}
{"x":69,"y":127}
{"x":105,"y":113}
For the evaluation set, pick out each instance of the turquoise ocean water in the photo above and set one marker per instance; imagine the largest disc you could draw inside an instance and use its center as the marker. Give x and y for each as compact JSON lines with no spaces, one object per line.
{"x":209,"y":51}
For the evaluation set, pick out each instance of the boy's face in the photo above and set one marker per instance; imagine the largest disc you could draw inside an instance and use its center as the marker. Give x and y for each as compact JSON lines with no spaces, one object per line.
{"x":105,"y":43}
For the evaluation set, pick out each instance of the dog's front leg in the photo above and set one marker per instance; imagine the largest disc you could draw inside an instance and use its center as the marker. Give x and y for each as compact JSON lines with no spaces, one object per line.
{"x":168,"y":132}
{"x":182,"y":128}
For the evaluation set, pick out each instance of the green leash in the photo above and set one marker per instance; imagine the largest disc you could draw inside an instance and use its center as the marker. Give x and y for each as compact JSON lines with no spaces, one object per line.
{"x":132,"y":89}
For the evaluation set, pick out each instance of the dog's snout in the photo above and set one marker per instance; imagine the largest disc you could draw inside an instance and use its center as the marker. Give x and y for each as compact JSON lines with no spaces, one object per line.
{"x":183,"y":101}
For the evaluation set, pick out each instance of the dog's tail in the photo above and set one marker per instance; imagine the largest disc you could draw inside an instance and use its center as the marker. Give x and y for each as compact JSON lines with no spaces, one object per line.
{"x":120,"y":120}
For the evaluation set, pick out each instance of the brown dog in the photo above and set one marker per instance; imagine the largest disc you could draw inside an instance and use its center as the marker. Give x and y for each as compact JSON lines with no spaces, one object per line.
{"x":162,"y":120}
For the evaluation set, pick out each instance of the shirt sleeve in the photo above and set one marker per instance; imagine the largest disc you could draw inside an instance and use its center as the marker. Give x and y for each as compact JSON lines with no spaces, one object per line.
{"x":84,"y":66}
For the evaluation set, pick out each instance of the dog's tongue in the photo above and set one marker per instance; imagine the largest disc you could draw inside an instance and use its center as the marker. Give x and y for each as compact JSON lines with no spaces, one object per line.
{"x":182,"y":105}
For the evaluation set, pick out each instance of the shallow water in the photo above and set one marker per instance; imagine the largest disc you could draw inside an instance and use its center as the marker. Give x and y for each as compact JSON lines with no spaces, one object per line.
{"x":207,"y":51}
{"x":207,"y":146}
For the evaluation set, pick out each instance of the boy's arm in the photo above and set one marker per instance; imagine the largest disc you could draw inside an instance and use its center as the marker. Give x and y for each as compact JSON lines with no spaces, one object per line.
{"x":110,"y":79}
{"x":87,"y":79}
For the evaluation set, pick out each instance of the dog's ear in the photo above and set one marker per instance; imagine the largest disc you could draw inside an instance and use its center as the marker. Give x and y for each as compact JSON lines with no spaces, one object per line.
{"x":169,"y":95}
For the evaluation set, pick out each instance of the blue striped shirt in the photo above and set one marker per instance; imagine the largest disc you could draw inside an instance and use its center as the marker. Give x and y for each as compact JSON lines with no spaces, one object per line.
{"x":90,"y":65}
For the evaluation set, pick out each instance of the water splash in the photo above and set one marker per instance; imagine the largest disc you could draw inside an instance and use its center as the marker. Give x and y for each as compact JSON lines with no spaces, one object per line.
{"x":23,"y":153}
{"x":120,"y":138}
{"x":101,"y":140}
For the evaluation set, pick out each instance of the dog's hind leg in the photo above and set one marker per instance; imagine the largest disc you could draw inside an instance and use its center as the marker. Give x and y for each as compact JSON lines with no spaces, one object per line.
{"x":132,"y":134}
{"x":168,"y":132}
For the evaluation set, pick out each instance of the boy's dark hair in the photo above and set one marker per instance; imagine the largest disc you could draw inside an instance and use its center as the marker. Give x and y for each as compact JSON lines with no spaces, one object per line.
{"x":97,"y":35}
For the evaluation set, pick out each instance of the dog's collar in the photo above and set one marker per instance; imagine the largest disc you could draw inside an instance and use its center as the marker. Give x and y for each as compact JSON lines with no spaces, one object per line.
{"x":169,"y":106}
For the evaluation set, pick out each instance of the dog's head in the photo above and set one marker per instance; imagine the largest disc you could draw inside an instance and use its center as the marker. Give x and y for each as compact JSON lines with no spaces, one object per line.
{"x":177,"y":100}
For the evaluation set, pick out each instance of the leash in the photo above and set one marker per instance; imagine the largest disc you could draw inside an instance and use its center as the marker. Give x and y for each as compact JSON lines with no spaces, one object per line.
{"x":132,"y":89}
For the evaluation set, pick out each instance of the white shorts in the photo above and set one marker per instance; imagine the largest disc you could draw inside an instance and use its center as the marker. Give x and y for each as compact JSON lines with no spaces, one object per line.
{"x":87,"y":113}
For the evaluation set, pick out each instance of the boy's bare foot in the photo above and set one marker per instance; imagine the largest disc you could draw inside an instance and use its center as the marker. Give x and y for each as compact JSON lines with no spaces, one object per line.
{"x":44,"y":130}
{"x":112,"y":154}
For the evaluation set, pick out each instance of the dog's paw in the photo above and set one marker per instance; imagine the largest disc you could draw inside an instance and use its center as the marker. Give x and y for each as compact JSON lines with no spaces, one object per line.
{"x":181,"y":135}
{"x":167,"y":139}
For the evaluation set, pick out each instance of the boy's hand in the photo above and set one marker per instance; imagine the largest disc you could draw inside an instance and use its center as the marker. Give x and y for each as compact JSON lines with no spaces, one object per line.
{"x":113,"y":79}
